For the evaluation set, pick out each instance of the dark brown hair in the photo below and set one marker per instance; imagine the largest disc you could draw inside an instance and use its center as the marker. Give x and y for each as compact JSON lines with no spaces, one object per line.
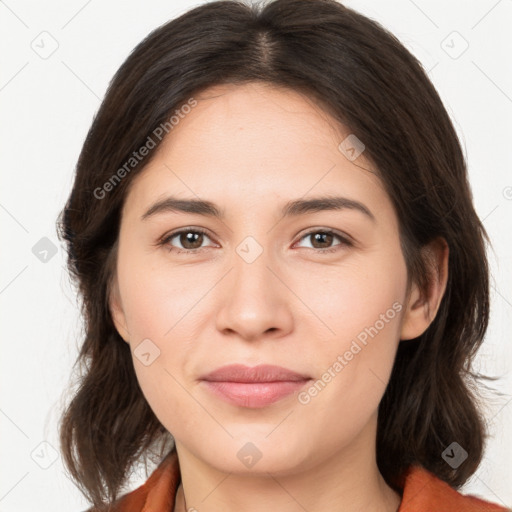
{"x":363,"y":77}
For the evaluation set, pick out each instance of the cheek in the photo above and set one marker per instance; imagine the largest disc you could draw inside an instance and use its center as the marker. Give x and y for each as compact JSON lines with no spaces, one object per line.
{"x":360,"y":309}
{"x":161,"y":307}
{"x":157,"y":299}
{"x":350,"y":297}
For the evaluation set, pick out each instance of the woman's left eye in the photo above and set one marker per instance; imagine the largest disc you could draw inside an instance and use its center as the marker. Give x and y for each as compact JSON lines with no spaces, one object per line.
{"x":326,"y":236}
{"x":191,"y":240}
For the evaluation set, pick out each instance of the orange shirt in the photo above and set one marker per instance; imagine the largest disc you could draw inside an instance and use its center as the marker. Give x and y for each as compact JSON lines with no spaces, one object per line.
{"x":422,"y":492}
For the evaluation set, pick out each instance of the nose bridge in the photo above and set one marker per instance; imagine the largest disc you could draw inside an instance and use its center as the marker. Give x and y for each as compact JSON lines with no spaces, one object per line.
{"x":252,"y":279}
{"x":254,"y":301}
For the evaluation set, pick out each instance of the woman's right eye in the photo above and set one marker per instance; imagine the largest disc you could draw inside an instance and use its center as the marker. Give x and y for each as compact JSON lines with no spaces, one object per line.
{"x":190,"y":240}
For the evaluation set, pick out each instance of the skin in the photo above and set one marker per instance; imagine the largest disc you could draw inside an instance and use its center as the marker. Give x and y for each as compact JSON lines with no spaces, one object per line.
{"x":250,"y":149}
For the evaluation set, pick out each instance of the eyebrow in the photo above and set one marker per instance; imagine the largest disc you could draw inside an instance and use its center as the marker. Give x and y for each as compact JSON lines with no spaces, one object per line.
{"x":290,"y":209}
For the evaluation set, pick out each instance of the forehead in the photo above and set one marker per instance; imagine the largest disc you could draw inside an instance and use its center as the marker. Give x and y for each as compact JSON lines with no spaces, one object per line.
{"x":247,"y":143}
{"x":259,"y":113}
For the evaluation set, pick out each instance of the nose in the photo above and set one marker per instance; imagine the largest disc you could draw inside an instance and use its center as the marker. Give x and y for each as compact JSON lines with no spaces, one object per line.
{"x":254,"y":302}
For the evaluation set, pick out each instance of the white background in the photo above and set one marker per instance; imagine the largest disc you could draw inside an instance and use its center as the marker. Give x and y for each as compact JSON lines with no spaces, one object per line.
{"x":47,"y":106}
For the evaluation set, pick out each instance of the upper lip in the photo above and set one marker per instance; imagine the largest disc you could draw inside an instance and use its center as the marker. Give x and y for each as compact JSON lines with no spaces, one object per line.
{"x":260,"y":373}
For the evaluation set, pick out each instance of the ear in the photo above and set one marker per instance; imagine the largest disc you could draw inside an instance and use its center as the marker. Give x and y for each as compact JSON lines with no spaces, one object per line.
{"x":422,"y":305}
{"x":116,"y":311}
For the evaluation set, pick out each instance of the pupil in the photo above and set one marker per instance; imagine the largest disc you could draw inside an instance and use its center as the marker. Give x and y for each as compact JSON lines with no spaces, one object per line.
{"x":320,"y":236}
{"x":190,"y":239}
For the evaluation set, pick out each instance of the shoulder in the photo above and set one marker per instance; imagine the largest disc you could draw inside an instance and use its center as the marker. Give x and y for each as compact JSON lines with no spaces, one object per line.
{"x":157,"y":493}
{"x":133,"y":501}
{"x":425,"y":492}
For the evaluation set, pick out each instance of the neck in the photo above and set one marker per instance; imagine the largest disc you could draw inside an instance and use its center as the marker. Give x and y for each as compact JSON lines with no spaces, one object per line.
{"x":348,"y":480}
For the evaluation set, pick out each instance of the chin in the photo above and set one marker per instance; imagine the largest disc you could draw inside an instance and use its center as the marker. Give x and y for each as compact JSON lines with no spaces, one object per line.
{"x":258,"y":453}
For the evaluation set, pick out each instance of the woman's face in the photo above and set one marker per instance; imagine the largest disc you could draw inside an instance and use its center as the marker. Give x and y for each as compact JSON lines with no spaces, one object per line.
{"x":259,"y":287}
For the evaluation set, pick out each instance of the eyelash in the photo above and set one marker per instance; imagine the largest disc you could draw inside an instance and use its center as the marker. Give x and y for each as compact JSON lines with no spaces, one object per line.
{"x":166,"y":239}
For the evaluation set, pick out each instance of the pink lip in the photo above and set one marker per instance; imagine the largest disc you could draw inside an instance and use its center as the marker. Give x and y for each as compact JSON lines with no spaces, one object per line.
{"x":254,"y":387}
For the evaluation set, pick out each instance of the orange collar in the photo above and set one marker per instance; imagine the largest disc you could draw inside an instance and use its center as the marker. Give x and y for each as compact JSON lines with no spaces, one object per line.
{"x":425,"y":492}
{"x":422,"y":492}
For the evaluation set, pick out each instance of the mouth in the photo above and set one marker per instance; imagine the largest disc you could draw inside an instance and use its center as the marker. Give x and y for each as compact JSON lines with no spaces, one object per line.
{"x":255,"y":387}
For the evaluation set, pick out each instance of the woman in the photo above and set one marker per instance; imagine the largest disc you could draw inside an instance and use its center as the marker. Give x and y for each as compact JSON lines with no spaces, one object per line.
{"x":283,"y":275}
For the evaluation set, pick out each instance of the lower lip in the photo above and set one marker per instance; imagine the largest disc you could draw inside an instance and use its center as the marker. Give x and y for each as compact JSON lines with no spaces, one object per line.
{"x":254,"y":394}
